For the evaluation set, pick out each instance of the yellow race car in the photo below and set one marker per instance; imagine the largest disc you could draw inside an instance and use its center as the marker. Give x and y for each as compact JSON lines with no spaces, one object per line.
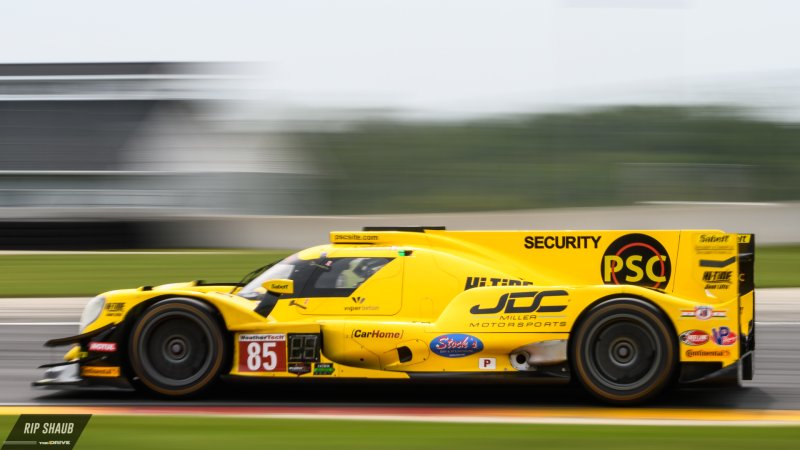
{"x":625,"y":313}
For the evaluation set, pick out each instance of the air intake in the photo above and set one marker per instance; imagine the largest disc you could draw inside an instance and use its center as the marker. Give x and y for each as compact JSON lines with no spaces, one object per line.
{"x":408,"y":229}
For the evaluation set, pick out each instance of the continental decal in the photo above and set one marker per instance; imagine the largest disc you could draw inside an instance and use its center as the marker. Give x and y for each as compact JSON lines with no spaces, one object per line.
{"x":377,"y":334}
{"x":100,"y":372}
{"x":636,"y":259}
{"x":476,"y":282}
{"x":707,"y":353}
{"x":561,"y":242}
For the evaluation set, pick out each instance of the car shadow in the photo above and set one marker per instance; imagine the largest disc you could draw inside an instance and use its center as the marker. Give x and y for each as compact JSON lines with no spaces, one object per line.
{"x":375,"y":393}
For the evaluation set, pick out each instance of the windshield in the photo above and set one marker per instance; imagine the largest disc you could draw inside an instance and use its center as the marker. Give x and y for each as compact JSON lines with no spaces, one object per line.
{"x":322,"y":277}
{"x":292,"y":268}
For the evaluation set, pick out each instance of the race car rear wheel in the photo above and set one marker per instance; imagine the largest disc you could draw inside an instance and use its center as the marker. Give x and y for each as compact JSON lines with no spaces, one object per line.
{"x":177,"y":347}
{"x":624,"y":351}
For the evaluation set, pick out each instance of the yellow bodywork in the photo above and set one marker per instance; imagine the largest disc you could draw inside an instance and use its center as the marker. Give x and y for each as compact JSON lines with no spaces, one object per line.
{"x":490,"y":291}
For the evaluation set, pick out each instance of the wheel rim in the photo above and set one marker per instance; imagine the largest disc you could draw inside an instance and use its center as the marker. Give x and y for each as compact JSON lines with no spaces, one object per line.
{"x":177,"y":349}
{"x":623,"y":352}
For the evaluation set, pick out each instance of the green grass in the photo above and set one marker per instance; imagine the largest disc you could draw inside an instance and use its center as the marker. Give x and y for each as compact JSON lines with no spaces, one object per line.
{"x":199,"y":433}
{"x":54,"y":275}
{"x":778,"y":266}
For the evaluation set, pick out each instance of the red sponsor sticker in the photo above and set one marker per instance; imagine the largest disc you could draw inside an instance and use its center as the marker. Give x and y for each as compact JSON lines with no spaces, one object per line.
{"x":729,"y":339}
{"x":105,"y":347}
{"x":694,"y":337}
{"x":262,"y":353}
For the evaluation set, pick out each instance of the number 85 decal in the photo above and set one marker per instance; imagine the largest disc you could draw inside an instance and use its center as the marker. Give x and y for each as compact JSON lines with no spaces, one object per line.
{"x":262,"y":353}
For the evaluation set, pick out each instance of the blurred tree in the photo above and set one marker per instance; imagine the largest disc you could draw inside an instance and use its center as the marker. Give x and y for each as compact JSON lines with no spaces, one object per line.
{"x":599,"y":157}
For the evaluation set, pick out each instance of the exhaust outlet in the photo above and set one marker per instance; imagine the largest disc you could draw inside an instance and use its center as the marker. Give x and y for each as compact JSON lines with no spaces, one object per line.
{"x":519,"y":360}
{"x":544,"y":353}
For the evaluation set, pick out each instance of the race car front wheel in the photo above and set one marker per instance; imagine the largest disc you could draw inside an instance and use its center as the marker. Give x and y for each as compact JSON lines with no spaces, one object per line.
{"x":624,"y":351}
{"x":177,"y":347}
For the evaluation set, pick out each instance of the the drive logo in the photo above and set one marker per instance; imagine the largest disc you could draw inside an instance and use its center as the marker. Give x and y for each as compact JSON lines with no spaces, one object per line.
{"x":636,"y":259}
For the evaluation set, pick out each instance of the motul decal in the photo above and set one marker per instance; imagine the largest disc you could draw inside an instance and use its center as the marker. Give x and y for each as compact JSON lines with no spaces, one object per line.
{"x":694,"y":337}
{"x":104,"y":347}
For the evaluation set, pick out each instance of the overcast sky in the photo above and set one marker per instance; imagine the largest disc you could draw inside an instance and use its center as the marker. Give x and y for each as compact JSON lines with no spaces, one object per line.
{"x":432,"y":54}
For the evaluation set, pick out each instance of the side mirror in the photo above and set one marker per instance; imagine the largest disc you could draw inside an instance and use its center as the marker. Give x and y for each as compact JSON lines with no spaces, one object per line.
{"x":279,"y":287}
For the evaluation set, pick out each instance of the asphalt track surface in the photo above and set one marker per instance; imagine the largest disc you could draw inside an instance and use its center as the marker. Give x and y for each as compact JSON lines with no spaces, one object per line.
{"x":26,"y":323}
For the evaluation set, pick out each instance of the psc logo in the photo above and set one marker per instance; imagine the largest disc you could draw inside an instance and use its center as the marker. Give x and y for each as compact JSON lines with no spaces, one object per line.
{"x":636,"y":259}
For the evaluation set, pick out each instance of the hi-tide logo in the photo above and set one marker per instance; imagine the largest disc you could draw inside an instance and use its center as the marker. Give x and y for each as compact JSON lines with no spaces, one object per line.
{"x":636,"y":259}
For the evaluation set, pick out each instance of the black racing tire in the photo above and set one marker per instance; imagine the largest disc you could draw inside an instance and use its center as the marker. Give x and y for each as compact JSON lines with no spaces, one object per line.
{"x":624,"y":351}
{"x":177,"y":347}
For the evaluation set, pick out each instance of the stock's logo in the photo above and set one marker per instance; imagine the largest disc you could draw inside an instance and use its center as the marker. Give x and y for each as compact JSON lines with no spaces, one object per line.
{"x":456,"y":345}
{"x":636,"y":259}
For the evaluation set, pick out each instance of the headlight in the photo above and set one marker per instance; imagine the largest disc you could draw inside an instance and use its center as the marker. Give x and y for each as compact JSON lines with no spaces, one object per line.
{"x":91,"y":312}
